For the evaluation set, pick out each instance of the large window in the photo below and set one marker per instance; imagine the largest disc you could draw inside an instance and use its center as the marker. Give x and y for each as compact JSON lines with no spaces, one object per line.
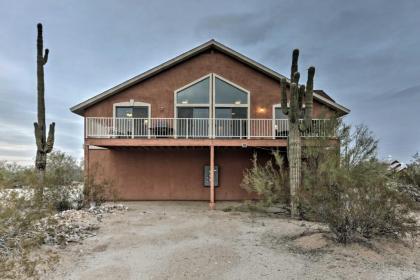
{"x":193,"y":109}
{"x":212,"y":97}
{"x":197,"y":93}
{"x":132,"y":118}
{"x":226,"y":93}
{"x":231,"y":109}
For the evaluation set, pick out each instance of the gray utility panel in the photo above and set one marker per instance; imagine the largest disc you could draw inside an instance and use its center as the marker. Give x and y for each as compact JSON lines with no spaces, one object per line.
{"x":207,"y":175}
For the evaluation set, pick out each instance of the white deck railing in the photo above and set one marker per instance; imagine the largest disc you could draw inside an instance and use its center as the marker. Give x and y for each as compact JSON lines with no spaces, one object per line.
{"x":198,"y":128}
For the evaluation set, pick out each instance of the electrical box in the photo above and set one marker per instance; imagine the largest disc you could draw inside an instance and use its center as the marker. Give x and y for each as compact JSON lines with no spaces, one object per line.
{"x":207,"y":175}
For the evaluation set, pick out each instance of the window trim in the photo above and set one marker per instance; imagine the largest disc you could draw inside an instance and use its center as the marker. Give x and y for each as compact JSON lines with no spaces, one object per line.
{"x":132,"y":103}
{"x":212,"y":97}
{"x":176,"y":104}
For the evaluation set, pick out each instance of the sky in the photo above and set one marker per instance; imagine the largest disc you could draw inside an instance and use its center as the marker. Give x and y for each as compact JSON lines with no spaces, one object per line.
{"x":367,"y":56}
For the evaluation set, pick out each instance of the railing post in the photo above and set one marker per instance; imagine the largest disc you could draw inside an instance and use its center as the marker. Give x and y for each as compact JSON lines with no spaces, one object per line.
{"x":187,"y":128}
{"x":132,"y":128}
{"x":174,"y":127}
{"x":248,"y":130}
{"x":149,"y":125}
{"x":240,"y":129}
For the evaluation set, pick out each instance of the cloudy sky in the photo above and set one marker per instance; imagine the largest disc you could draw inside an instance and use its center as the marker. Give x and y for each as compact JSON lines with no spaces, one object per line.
{"x":367,"y":55}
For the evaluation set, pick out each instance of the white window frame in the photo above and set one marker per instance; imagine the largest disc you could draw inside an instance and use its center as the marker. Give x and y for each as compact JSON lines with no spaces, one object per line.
{"x":214,"y":104}
{"x":212,"y":97}
{"x":133,"y":103}
{"x":205,"y":105}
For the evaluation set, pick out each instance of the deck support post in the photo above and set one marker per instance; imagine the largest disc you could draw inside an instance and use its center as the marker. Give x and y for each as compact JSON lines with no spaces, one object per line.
{"x":86,"y":166}
{"x":212,"y":202}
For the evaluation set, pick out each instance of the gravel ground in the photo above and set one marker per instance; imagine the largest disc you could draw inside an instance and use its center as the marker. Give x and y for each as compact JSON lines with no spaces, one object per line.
{"x":184,"y":240}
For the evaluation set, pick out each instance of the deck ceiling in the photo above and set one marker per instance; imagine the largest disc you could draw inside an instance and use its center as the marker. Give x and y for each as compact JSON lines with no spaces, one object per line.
{"x":186,"y":143}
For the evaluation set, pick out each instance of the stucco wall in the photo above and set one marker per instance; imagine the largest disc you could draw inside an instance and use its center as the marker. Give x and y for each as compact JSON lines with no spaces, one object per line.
{"x":159,"y":90}
{"x":171,"y":174}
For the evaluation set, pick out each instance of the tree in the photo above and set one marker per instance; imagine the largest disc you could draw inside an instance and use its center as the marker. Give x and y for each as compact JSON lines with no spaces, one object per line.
{"x":357,"y":145}
{"x":298,"y":93}
{"x":44,"y":144}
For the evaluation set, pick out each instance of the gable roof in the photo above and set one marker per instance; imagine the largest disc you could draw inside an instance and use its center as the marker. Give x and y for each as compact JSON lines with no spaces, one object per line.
{"x":212,"y":44}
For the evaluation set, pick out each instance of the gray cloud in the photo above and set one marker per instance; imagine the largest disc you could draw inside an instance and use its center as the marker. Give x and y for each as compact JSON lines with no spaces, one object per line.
{"x":366,"y":53}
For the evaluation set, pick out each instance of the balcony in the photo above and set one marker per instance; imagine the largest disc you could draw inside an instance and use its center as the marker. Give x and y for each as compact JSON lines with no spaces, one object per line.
{"x":198,"y":128}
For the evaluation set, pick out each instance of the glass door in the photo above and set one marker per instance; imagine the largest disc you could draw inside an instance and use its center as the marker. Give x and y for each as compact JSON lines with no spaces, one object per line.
{"x":231,"y":122}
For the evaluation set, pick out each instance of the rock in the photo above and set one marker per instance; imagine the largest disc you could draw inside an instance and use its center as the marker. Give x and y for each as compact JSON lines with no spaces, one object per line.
{"x":74,"y":225}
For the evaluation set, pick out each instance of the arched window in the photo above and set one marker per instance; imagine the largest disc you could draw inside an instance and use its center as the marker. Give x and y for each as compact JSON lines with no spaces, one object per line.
{"x":192,"y":108}
{"x":212,"y":97}
{"x":226,"y":93}
{"x":197,"y":93}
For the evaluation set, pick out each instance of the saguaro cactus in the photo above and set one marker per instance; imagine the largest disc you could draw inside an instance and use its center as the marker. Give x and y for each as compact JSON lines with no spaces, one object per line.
{"x":298,"y":95}
{"x":44,"y":144}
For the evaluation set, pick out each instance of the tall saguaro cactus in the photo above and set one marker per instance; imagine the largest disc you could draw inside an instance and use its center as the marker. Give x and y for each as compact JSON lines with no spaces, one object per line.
{"x":44,"y":144}
{"x":299,"y":95}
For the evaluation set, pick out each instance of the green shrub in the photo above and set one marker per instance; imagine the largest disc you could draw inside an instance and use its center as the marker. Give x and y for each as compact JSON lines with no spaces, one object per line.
{"x":269,"y":181}
{"x":410,"y":179}
{"x":355,"y":198}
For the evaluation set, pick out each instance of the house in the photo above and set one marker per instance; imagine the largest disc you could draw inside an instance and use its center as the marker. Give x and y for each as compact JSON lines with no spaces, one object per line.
{"x":157,"y":135}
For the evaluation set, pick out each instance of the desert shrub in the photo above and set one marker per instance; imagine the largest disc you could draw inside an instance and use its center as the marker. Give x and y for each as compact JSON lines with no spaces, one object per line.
{"x":13,"y":175}
{"x":97,"y":191}
{"x":409,"y":182}
{"x":17,"y":216}
{"x":354,"y":194}
{"x":269,"y":181}
{"x":63,"y":178}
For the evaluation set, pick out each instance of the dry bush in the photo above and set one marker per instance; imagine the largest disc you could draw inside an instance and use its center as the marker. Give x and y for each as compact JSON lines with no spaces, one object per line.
{"x":410,"y":179}
{"x":17,"y":242}
{"x":354,"y":194}
{"x":269,"y":181}
{"x":19,"y":212}
{"x":98,"y":191}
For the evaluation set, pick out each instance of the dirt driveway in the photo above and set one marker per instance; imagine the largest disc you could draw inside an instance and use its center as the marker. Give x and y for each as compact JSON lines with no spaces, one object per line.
{"x":184,"y":240}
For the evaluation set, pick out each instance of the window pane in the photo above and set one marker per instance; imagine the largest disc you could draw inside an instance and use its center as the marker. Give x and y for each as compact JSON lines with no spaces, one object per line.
{"x":140,"y":112}
{"x":239,"y":113}
{"x":193,"y":112}
{"x":232,"y":113}
{"x":185,"y":112}
{"x":223,"y":113}
{"x":228,"y":94}
{"x":200,"y":112}
{"x":124,"y":112}
{"x":195,"y":94}
{"x":231,"y":122}
{"x":193,"y":122}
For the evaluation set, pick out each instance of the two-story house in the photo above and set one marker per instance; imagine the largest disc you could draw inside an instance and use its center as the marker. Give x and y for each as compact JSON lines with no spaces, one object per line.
{"x":159,"y":135}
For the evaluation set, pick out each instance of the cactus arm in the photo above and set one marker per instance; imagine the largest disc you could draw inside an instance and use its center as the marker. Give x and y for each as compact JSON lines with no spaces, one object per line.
{"x":301,"y":96}
{"x":50,"y":140}
{"x":284,"y":108}
{"x":308,"y":100}
{"x":293,"y":116}
{"x":38,"y":137}
{"x":294,"y":68}
{"x":45,"y":59}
